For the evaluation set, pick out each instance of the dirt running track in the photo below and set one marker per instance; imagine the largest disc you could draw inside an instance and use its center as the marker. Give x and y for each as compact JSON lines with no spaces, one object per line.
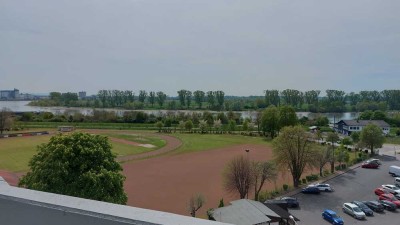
{"x":166,"y":183}
{"x":11,"y":178}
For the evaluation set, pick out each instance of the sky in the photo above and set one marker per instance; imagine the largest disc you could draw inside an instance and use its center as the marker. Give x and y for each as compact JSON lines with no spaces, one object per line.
{"x":239,"y":47}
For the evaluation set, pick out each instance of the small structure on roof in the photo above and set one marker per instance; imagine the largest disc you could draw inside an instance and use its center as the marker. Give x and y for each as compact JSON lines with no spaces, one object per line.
{"x":249,"y":212}
{"x":313,"y":129}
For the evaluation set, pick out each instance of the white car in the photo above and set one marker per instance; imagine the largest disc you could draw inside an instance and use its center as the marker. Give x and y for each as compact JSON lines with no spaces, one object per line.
{"x":397,"y":181}
{"x":391,"y":188}
{"x":353,"y":210}
{"x":323,"y":187}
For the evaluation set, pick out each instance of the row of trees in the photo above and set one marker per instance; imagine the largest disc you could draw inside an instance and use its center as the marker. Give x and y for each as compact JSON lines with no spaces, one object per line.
{"x":332,"y":101}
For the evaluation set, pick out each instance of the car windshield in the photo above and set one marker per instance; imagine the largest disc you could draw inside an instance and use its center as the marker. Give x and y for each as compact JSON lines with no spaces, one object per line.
{"x":356,"y":209}
{"x":334,"y":215}
{"x":395,"y":188}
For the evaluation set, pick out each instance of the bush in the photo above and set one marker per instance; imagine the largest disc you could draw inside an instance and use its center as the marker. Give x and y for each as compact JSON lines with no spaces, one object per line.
{"x":304,"y":181}
{"x":285,"y":187}
{"x":326,"y":173}
{"x":312,"y":177}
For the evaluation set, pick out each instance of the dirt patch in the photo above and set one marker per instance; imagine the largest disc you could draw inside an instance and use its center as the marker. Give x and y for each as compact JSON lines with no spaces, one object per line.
{"x":166,"y":183}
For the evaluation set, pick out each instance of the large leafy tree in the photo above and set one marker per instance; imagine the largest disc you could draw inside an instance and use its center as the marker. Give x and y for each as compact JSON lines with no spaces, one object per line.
{"x":5,"y":119}
{"x":262,"y":172}
{"x":287,"y":116}
{"x":80,"y":165}
{"x":371,"y":137}
{"x":293,"y":150}
{"x":332,"y":138}
{"x":270,"y":121}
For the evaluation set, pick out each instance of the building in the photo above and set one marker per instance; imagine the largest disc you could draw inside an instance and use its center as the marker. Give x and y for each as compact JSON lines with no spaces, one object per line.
{"x":9,"y":94}
{"x":82,"y":94}
{"x":249,"y":212}
{"x":23,"y":206}
{"x":346,"y":127}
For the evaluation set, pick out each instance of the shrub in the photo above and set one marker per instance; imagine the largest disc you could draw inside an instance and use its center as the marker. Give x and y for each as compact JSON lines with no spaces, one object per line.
{"x":285,"y":187}
{"x":304,"y":181}
{"x":326,"y":173}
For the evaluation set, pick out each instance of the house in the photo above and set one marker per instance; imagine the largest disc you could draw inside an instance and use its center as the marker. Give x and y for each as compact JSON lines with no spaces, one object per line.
{"x":24,"y":206}
{"x":346,"y":127}
{"x":249,"y":212}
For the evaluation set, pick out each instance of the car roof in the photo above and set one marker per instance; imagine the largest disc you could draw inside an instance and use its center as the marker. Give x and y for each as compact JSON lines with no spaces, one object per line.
{"x":329,"y":211}
{"x":350,"y":204}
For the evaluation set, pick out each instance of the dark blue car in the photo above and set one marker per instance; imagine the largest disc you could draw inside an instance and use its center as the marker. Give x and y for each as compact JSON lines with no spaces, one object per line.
{"x":311,"y":190}
{"x":332,"y":217}
{"x":364,"y":208}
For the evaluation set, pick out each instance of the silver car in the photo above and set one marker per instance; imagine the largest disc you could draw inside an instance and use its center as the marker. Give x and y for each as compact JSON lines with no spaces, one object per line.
{"x":353,"y":210}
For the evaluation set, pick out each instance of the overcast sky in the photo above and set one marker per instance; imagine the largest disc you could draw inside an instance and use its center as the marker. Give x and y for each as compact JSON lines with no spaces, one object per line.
{"x":240,"y":47}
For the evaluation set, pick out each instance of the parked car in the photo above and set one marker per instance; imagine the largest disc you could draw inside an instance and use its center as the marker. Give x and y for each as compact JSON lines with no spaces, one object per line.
{"x":291,"y":202}
{"x":353,"y":211}
{"x":364,"y":208}
{"x":393,"y":189}
{"x":377,"y":161}
{"x":381,"y":191}
{"x":370,"y":165}
{"x":394,"y":171}
{"x":332,"y":217}
{"x":374,"y":205}
{"x":397,"y":181}
{"x":310,"y":190}
{"x":323,"y":187}
{"x":390,"y":198}
{"x":388,"y":205}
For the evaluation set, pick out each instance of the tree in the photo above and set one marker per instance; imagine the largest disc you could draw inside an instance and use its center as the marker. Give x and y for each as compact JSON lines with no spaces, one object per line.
{"x":159,"y":125}
{"x":189,"y":125}
{"x":221,"y":203}
{"x":293,"y":150}
{"x":287,"y":116}
{"x":181,"y":125}
{"x":355,"y":136}
{"x":195,"y":203}
{"x":161,"y":98}
{"x":5,"y":120}
{"x":262,"y":171}
{"x":203,"y":126}
{"x":342,"y":155}
{"x":332,"y":138}
{"x":199,"y":97}
{"x":211,"y":99}
{"x":322,"y":157}
{"x":142,"y":96}
{"x":152,"y":98}
{"x":188,"y":97}
{"x":80,"y":165}
{"x":238,"y":177}
{"x":371,"y":137}
{"x":182,"y":97}
{"x":270,"y":121}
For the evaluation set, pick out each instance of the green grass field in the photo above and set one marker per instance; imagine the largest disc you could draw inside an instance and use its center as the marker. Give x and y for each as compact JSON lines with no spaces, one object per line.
{"x":16,"y":152}
{"x":204,"y":142}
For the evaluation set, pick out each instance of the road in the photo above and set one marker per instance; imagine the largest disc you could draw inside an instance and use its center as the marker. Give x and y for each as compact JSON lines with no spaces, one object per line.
{"x":357,"y":184}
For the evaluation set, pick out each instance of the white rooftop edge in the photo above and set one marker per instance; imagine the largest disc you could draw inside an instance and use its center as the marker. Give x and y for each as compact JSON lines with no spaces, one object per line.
{"x":96,"y":208}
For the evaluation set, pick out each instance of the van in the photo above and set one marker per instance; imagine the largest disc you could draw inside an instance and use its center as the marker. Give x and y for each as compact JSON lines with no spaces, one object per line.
{"x":397,"y":181}
{"x":394,"y":171}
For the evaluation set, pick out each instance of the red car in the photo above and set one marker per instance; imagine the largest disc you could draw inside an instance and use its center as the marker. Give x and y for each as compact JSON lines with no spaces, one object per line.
{"x":381,"y":191}
{"x":390,"y":198}
{"x":370,"y":165}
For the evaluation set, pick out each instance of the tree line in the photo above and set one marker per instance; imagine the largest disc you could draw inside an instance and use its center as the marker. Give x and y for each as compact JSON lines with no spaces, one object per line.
{"x":312,"y":100}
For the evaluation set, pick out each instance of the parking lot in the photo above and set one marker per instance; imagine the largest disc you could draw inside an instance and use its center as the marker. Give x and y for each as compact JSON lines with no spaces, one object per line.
{"x":357,"y":184}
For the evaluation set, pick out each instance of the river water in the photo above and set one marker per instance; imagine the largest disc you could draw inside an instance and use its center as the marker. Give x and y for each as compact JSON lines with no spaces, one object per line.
{"x":22,"y":106}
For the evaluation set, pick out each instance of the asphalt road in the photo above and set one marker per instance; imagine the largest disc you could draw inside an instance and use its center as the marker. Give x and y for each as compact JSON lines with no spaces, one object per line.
{"x":357,"y":184}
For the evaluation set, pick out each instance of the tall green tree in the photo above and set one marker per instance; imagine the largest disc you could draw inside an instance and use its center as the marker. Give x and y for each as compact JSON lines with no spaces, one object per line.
{"x":5,"y":120}
{"x":287,"y":116}
{"x":152,"y":98}
{"x":211,"y":99}
{"x":161,"y":97}
{"x":199,"y":98}
{"x":292,"y":150}
{"x":220,"y":96}
{"x":272,"y":97}
{"x":372,"y":137}
{"x":188,"y":98}
{"x":142,"y":96}
{"x":182,"y":97}
{"x":332,"y":138}
{"x":322,"y":156}
{"x":270,"y":121}
{"x":80,"y":165}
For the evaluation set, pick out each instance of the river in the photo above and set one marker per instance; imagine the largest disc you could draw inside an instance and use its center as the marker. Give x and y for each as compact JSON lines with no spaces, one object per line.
{"x":22,"y":106}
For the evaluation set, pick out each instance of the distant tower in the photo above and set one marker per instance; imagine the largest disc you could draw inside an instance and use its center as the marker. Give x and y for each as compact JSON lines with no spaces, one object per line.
{"x":15,"y":94}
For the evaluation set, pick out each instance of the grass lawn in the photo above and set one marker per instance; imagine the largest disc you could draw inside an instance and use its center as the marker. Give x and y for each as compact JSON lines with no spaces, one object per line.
{"x":15,"y":153}
{"x":204,"y":142}
{"x":139,"y":138}
{"x":392,"y":140}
